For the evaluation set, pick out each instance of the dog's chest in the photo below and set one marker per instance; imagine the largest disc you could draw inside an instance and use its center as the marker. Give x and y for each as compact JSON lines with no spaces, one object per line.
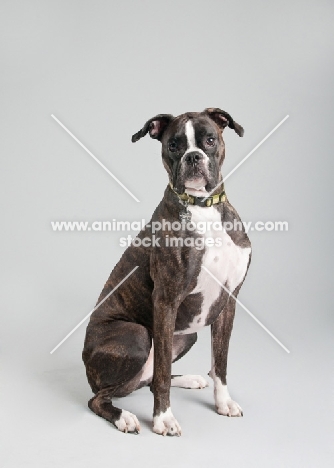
{"x":226,"y":262}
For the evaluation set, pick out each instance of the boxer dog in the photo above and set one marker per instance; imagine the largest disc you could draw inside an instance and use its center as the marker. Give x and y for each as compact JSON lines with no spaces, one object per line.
{"x":152,"y":319}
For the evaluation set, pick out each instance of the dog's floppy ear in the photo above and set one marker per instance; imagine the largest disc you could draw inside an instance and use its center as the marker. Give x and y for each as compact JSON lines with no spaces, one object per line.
{"x":223,"y":119}
{"x":155,"y":126}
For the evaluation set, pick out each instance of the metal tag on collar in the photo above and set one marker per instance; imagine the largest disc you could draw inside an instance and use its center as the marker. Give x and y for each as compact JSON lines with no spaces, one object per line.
{"x":185,"y":215}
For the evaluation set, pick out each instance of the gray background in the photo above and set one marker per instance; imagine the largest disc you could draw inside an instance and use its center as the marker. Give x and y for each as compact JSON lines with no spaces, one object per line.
{"x":103,"y":68}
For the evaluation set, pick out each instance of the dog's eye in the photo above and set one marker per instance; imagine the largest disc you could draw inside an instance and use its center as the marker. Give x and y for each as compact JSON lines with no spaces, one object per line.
{"x":210,"y":141}
{"x":172,"y":146}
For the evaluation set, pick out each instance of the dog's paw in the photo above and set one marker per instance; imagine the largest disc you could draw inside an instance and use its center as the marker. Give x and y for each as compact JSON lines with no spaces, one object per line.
{"x":189,"y":381}
{"x":224,"y":403}
{"x":166,"y":424}
{"x":229,"y":408}
{"x":127,"y":422}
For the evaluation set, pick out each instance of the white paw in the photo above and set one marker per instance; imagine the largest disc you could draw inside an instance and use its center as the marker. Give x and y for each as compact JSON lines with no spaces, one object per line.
{"x":128,"y":422}
{"x":166,"y":424}
{"x":224,"y":403}
{"x":189,"y":381}
{"x":229,"y":408}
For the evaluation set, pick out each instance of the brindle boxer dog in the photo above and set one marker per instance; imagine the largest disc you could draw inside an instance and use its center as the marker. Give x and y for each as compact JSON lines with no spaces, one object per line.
{"x":152,"y":319}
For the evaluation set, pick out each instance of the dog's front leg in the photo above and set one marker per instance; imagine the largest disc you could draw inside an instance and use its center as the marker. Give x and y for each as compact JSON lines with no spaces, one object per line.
{"x":164,"y":421}
{"x":220,"y":337}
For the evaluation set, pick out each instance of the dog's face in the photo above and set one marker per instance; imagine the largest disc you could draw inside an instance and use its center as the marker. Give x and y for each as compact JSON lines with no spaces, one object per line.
{"x":193,"y":151}
{"x":193,"y":148}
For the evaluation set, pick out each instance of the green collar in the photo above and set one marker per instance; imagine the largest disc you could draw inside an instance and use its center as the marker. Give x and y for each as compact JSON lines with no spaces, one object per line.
{"x":201,"y":201}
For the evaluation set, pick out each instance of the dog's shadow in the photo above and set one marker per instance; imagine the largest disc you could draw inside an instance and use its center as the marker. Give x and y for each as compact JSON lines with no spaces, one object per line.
{"x":196,"y":397}
{"x":70,"y":383}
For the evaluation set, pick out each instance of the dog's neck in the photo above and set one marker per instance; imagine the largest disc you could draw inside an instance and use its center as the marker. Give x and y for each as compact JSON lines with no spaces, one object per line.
{"x":201,"y":197}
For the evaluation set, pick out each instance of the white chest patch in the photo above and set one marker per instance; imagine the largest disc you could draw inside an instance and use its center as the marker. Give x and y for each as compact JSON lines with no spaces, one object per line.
{"x":226,"y":261}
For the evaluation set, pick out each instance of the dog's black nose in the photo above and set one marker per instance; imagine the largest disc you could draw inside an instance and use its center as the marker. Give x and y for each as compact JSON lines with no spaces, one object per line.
{"x":193,"y":158}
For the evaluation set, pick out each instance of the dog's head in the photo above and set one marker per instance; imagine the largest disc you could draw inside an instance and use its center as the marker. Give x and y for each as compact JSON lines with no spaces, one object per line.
{"x":193,"y":148}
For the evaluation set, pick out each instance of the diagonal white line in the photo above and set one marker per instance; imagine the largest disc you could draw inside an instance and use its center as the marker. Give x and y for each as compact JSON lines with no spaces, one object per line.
{"x":248,"y":155}
{"x":94,"y":157}
{"x":96,"y":307}
{"x":246,"y":310}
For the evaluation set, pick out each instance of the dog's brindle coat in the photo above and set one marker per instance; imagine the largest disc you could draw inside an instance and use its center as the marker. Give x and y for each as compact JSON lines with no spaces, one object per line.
{"x":151,"y":320}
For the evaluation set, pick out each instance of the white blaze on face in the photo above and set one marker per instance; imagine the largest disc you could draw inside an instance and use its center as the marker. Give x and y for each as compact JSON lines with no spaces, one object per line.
{"x":195,"y":186}
{"x":191,"y":141}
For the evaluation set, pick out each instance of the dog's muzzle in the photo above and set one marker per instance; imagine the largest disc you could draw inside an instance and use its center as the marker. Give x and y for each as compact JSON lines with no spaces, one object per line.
{"x":195,"y":165}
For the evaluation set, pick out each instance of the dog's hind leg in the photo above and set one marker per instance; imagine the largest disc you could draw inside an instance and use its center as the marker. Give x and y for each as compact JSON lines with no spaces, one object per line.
{"x":102,"y":405}
{"x":114,"y":355}
{"x":188,"y":381}
{"x":181,"y":345}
